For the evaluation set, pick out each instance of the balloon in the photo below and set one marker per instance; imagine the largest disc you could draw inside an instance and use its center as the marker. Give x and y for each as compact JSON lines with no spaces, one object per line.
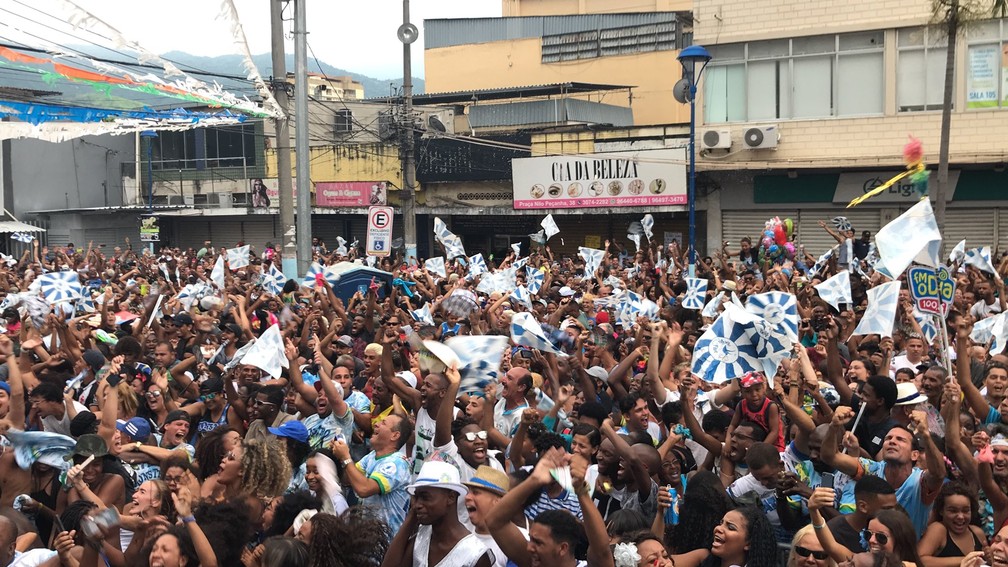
{"x":769,"y":233}
{"x":788,"y":227}
{"x":767,"y":241}
{"x":773,"y":249}
{"x":790,"y":249}
{"x":779,"y":237}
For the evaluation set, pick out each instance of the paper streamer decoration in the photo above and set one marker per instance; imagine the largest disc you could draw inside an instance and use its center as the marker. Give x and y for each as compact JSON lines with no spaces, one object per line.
{"x":550,"y":227}
{"x":436,"y":266}
{"x":647,"y":223}
{"x":836,"y":290}
{"x":696,"y":293}
{"x":60,"y":286}
{"x":958,"y":253}
{"x":526,"y":331}
{"x":267,"y":353}
{"x":910,"y":237}
{"x":980,"y":258}
{"x":726,"y":350}
{"x":274,"y":280}
{"x":880,"y":314}
{"x":217,"y":274}
{"x":592,"y":258}
{"x":777,"y":308}
{"x":238,"y":258}
{"x":913,"y":156}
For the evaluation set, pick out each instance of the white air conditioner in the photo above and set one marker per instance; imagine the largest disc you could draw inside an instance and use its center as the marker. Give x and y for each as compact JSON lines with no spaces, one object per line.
{"x":189,"y":200}
{"x":439,"y":122}
{"x":761,"y":137}
{"x":716,"y":139}
{"x":176,"y":200}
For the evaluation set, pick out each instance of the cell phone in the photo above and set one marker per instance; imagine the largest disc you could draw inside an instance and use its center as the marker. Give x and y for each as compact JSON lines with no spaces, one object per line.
{"x":827,"y":480}
{"x":843,"y":307}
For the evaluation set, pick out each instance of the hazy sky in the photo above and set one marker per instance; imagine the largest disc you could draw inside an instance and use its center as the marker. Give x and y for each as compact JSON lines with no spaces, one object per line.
{"x":353,"y":35}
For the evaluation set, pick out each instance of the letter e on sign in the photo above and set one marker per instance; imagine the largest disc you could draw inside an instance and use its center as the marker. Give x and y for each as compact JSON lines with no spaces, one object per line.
{"x":379,"y":231}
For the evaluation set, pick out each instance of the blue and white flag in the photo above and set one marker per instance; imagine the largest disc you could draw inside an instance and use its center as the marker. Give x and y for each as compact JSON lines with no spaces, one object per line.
{"x":441,"y":231}
{"x":526,"y":331}
{"x":477,"y":265}
{"x":535,"y":278}
{"x":274,"y":280}
{"x":980,"y":258}
{"x":60,"y":286}
{"x":550,"y":227}
{"x":836,"y":290}
{"x":880,"y":314}
{"x":25,"y":237}
{"x":992,"y":330}
{"x":40,"y":446}
{"x":312,"y":276}
{"x":238,"y":258}
{"x":436,"y":266}
{"x":958,"y":253}
{"x":453,"y":247}
{"x":479,"y":360}
{"x":927,"y":325}
{"x":635,"y":238}
{"x":217,"y":274}
{"x":521,"y":295}
{"x":777,"y":308}
{"x":712,"y":307}
{"x":538,"y":237}
{"x":191,"y":293}
{"x":423,"y":315}
{"x":726,"y":350}
{"x":647,"y":223}
{"x":592,"y":258}
{"x":696,"y":293}
{"x":910,"y":237}
{"x":267,"y":354}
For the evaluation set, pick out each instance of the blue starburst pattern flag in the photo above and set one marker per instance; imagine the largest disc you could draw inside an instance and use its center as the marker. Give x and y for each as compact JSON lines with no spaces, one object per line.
{"x":897,"y":249}
{"x":836,"y":290}
{"x":526,"y":331}
{"x":842,"y":224}
{"x":40,"y":446}
{"x":60,"y":286}
{"x":274,"y":280}
{"x":980,"y":258}
{"x":726,"y":350}
{"x":312,"y":276}
{"x":267,"y":353}
{"x":521,"y":295}
{"x":993,"y":331}
{"x":958,"y":253}
{"x":453,"y":247}
{"x":927,"y":325}
{"x":436,"y":266}
{"x":217,"y":274}
{"x":423,"y":315}
{"x":592,"y":258}
{"x":778,"y":308}
{"x":711,"y":308}
{"x":238,"y":258}
{"x":550,"y":227}
{"x":696,"y":293}
{"x":441,"y":231}
{"x":647,"y":223}
{"x":880,"y":314}
{"x":821,"y":262}
{"x":477,"y":265}
{"x":535,"y":278}
{"x":23,"y":237}
{"x":479,"y":360}
{"x":191,"y":293}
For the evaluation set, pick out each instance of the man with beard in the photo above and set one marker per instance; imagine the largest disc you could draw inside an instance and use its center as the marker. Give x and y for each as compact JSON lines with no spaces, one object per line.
{"x":916,"y":489}
{"x":432,"y":533}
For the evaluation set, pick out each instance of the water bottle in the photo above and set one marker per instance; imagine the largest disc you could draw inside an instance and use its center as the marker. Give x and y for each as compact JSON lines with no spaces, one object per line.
{"x":672,"y":512}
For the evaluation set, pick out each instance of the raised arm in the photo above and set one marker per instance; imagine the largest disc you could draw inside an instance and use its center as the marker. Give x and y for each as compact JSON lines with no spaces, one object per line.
{"x":824,"y":497}
{"x":442,"y":429}
{"x":831,"y":453}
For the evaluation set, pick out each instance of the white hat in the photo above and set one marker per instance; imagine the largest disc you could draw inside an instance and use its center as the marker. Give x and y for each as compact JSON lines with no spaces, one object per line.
{"x":598,"y":373}
{"x":566,"y":291}
{"x":407,"y":377}
{"x":907,"y":395}
{"x":438,"y":474}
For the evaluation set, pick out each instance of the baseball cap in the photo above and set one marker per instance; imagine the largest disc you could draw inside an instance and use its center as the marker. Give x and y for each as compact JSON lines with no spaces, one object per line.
{"x":177,"y":415}
{"x":598,"y":373}
{"x":82,"y":423}
{"x":345,"y":340}
{"x":407,"y":377}
{"x":437,"y":474}
{"x":137,"y":428}
{"x":88,"y":445}
{"x":751,"y":379}
{"x":183,"y":319}
{"x":566,"y":291}
{"x":293,"y":429}
{"x":601,"y":317}
{"x":94,"y":359}
{"x":212,"y":384}
{"x":489,"y":478}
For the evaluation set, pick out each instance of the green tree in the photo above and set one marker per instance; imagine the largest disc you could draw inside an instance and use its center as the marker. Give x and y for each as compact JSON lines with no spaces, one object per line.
{"x":953,"y":15}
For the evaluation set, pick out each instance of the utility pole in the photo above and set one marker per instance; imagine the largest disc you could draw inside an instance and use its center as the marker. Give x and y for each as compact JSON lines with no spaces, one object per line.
{"x":301,"y":137}
{"x":282,"y":126}
{"x":407,"y":35}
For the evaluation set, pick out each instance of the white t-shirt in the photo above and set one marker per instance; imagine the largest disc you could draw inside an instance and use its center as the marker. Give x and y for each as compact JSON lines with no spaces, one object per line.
{"x":61,"y":426}
{"x":506,"y":421}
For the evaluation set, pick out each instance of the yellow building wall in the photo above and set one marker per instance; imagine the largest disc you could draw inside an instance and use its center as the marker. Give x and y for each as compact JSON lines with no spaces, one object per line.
{"x":569,"y":7}
{"x":519,"y":63}
{"x":368,"y":162}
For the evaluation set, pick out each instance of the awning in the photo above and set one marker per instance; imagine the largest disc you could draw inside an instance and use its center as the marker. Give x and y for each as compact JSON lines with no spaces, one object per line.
{"x":16,"y":226}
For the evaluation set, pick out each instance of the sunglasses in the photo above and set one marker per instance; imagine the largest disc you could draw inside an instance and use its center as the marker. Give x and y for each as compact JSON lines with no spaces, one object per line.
{"x":473,"y":435}
{"x":260,"y":403}
{"x":805,"y":552}
{"x":880,"y":537}
{"x":207,"y":397}
{"x":153,"y":395}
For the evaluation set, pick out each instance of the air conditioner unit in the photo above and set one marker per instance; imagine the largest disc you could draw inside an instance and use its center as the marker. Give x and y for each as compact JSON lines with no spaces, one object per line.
{"x":176,"y":200}
{"x":189,"y":200}
{"x":239,"y":198}
{"x":387,"y":127}
{"x":716,"y":139}
{"x":761,"y":137}
{"x":440,"y":122}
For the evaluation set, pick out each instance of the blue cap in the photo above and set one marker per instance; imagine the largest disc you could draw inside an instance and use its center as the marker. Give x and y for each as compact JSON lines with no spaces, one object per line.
{"x":138,"y":428}
{"x":293,"y":429}
{"x":5,"y":387}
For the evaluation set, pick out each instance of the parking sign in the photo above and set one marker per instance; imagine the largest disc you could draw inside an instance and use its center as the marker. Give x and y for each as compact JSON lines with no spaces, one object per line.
{"x":379,"y":231}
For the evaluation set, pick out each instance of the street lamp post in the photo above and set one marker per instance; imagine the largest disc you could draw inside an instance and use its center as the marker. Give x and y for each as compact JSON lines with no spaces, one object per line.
{"x":150,"y":136}
{"x":689,"y":58}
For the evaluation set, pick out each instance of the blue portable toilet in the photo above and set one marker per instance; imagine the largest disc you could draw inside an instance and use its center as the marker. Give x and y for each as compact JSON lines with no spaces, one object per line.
{"x":352,"y":277}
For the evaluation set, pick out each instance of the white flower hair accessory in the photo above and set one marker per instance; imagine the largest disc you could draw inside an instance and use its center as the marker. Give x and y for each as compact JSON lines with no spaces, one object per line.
{"x":626,"y":555}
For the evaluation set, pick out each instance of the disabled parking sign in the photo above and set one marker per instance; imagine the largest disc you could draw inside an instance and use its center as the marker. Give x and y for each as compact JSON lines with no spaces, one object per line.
{"x":379,"y":231}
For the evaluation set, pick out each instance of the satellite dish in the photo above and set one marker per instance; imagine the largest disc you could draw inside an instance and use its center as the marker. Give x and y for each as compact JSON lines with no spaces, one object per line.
{"x":435,"y":123}
{"x":407,"y":33}
{"x":397,"y":243}
{"x":681,"y":91}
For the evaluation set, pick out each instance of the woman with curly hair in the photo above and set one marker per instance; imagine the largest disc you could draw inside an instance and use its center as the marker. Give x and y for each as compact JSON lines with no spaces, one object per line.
{"x":703,"y":505}
{"x":254,"y":472}
{"x":953,"y":535}
{"x":358,"y":538}
{"x":210,"y":452}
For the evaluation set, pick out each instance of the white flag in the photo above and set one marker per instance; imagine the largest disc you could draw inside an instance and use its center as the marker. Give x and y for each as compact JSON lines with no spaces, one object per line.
{"x":958,"y":253}
{"x":217,"y":274}
{"x":880,"y":314}
{"x":980,"y":258}
{"x":267,"y":353}
{"x":647,"y":223}
{"x":592,"y":258}
{"x":910,"y":237}
{"x":550,"y":226}
{"x":238,"y":257}
{"x":836,"y":290}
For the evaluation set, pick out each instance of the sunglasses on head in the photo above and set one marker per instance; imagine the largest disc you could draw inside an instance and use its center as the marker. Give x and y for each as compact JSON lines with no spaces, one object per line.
{"x":805,"y":552}
{"x":473,"y":435}
{"x":880,"y":537}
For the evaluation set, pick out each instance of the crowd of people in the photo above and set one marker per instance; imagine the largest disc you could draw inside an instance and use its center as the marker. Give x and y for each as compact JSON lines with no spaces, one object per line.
{"x":137,"y":433}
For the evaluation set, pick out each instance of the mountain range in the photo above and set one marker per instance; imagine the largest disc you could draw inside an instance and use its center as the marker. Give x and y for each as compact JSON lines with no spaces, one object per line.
{"x":232,"y":65}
